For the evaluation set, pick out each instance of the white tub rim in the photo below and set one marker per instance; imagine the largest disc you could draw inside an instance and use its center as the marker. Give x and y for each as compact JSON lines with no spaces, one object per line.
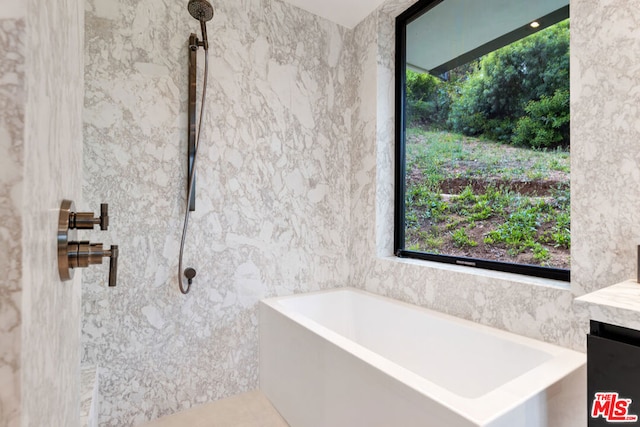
{"x":481,"y":410}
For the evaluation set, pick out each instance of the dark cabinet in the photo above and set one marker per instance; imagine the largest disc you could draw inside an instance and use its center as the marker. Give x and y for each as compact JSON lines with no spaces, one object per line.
{"x":613,"y":375}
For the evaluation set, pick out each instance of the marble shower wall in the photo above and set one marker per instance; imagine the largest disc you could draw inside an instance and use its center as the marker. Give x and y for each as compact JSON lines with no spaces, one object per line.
{"x":51,"y":309}
{"x":272,"y":211}
{"x":12,"y":100}
{"x":41,"y":93}
{"x":605,"y":123}
{"x":296,"y":174}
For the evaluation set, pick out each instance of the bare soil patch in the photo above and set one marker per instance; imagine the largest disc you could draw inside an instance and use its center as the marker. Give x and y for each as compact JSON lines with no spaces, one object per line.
{"x":511,"y":173}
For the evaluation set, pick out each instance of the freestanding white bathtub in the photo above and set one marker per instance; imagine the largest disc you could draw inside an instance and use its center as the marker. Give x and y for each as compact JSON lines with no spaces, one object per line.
{"x":347,"y":358}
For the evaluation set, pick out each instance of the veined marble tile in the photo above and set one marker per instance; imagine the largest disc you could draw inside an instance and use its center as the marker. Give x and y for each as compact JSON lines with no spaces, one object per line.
{"x":12,"y":107}
{"x":272,"y":210}
{"x":605,"y":152}
{"x":41,"y":90}
{"x":89,"y":397}
{"x":52,"y":171}
{"x":295,"y":188}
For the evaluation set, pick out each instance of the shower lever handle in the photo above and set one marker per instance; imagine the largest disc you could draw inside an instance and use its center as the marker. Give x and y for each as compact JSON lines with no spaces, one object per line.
{"x":83,"y":254}
{"x":113,"y":266}
{"x":86,"y":221}
{"x":104,"y":216}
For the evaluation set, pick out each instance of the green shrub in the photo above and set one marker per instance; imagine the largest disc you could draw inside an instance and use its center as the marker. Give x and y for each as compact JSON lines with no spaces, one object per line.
{"x":500,"y":130}
{"x":495,"y":93}
{"x":428,"y":100}
{"x":546,"y":124}
{"x":468,"y":112}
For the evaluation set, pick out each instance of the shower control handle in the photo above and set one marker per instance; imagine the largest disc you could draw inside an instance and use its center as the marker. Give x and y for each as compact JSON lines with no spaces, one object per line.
{"x":86,"y":221}
{"x":113,"y":266}
{"x":73,"y":254}
{"x":83,"y":254}
{"x":104,"y":216}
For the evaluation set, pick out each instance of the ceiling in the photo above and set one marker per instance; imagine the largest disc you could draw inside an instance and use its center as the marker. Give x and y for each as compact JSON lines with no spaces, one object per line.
{"x":347,"y":13}
{"x":440,"y":39}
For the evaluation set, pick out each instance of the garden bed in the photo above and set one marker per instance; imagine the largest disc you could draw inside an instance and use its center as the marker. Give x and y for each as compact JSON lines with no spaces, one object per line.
{"x":481,"y":199}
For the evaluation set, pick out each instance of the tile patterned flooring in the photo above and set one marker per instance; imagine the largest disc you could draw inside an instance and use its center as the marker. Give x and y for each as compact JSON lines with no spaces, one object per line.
{"x":250,"y":409}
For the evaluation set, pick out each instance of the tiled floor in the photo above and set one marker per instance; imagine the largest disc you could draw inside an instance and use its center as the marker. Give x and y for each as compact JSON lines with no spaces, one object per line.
{"x":246,"y":410}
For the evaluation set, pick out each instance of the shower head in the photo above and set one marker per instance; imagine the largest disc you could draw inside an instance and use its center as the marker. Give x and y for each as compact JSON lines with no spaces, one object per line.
{"x":201,"y":10}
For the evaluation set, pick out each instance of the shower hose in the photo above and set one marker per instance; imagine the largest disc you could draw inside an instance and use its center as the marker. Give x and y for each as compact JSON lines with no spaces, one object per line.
{"x":183,"y":289}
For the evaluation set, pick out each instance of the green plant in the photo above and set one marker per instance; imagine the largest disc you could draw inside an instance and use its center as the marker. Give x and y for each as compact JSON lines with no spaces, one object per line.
{"x":428,"y":241}
{"x":559,"y":164}
{"x":461,"y":239}
{"x":452,"y":224}
{"x":420,"y":198}
{"x":494,"y":95}
{"x":562,"y":198}
{"x":546,"y":124}
{"x":561,"y":232}
{"x":511,"y":223}
{"x":499,"y":129}
{"x":540,"y":253}
{"x":432,"y":242}
{"x":519,"y":231}
{"x":428,"y":100}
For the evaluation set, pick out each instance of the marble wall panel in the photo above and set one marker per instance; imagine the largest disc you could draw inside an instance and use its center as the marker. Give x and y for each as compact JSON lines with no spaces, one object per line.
{"x":12,"y":100}
{"x":272,"y":208}
{"x":605,"y":133}
{"x":296,"y":178}
{"x":52,"y":171}
{"x":10,"y":9}
{"x":41,"y":87}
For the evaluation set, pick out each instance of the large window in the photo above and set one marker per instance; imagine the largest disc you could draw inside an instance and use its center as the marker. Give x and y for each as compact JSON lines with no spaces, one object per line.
{"x":482,"y":156}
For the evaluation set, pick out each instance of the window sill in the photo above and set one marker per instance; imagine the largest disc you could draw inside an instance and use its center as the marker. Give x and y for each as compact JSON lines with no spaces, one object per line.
{"x":478,"y":272}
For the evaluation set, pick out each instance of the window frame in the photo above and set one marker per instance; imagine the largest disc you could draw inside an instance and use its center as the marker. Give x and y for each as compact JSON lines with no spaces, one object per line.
{"x":404,"y":19}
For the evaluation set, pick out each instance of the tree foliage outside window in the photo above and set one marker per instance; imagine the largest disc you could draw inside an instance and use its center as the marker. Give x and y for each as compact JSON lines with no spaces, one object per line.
{"x":518,"y":94}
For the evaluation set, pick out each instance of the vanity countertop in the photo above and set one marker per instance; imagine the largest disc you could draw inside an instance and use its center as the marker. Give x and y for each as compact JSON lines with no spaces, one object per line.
{"x":618,"y":304}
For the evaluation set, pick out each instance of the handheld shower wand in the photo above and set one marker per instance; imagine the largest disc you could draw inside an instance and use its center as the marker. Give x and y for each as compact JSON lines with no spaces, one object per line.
{"x":203,"y":12}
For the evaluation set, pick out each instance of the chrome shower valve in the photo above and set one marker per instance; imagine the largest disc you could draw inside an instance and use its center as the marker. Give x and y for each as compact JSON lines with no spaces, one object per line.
{"x":81,"y":254}
{"x":86,"y":221}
